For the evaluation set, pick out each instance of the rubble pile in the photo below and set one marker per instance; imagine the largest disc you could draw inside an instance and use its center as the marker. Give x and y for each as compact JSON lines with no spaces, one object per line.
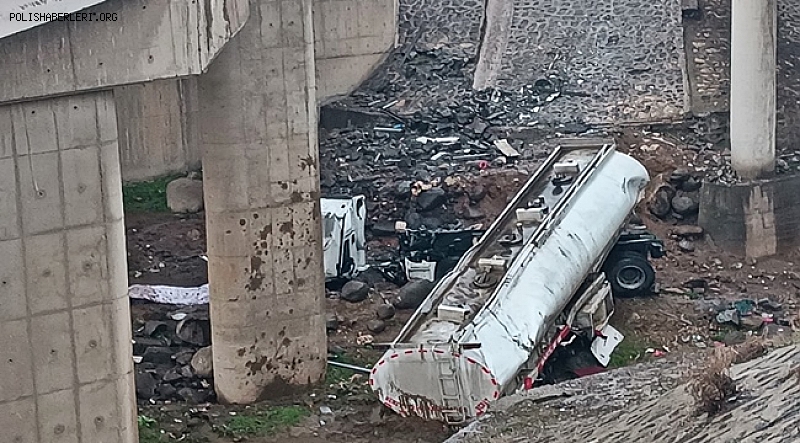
{"x":172,"y":354}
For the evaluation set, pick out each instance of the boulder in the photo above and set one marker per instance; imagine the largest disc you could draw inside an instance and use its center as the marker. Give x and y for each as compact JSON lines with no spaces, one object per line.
{"x":376,"y":326}
{"x":355,"y":291}
{"x":331,"y":322}
{"x":385,"y":311}
{"x":660,"y":203}
{"x":203,"y":362}
{"x":431,"y":199}
{"x":684,"y":205}
{"x":413,"y":294}
{"x":185,"y":195}
{"x":688,"y":231}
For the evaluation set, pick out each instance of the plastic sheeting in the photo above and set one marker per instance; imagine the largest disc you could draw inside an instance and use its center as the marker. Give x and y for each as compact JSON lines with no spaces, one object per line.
{"x":170,"y":294}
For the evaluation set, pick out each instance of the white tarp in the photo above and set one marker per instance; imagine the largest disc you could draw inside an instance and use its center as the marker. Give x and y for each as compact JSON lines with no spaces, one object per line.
{"x":20,"y":15}
{"x":170,"y":294}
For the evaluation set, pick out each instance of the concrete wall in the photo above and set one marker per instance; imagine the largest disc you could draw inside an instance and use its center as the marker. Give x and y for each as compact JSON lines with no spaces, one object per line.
{"x":757,"y":220}
{"x":351,"y":39}
{"x":151,"y":39}
{"x":66,"y":356}
{"x":158,"y":131}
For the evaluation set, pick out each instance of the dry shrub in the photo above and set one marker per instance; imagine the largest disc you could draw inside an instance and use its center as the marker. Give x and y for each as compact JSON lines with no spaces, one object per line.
{"x":795,"y":371}
{"x":753,"y":347}
{"x":712,"y":385}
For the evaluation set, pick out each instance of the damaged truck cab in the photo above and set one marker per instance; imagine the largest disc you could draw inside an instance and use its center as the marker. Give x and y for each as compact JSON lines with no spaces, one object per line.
{"x":541,"y":278}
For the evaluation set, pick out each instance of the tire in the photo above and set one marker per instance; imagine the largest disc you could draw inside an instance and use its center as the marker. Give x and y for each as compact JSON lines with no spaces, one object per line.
{"x":631,"y":275}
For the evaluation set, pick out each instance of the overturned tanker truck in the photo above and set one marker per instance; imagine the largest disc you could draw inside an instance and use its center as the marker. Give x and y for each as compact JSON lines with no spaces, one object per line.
{"x":540,"y":278}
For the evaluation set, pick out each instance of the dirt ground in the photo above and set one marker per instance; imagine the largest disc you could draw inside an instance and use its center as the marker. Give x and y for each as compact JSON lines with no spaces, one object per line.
{"x":168,"y":249}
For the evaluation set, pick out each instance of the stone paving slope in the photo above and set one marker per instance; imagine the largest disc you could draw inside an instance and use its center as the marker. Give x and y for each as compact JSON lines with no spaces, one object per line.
{"x":626,"y":55}
{"x":640,"y":404}
{"x":708,"y":63}
{"x":621,"y":61}
{"x":708,"y":52}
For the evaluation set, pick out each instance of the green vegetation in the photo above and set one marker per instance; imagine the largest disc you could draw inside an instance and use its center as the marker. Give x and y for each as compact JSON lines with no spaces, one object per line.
{"x":149,"y":196}
{"x":263,"y":421}
{"x":148,"y":430}
{"x":629,"y":351}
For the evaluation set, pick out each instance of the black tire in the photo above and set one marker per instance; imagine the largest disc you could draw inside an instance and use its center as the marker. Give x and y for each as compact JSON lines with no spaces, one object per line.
{"x":631,"y":275}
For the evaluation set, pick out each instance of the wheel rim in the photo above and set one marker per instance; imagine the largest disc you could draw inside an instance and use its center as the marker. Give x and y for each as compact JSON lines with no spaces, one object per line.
{"x":631,"y":277}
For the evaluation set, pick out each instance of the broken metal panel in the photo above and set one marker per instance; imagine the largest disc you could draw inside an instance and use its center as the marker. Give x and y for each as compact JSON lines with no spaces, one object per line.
{"x":603,"y":346}
{"x":521,"y":276}
{"x":344,"y":237}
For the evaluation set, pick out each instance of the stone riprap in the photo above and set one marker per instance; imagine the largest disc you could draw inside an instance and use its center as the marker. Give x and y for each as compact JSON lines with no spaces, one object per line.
{"x":613,"y":62}
{"x":708,"y":55}
{"x":708,"y":64}
{"x":623,"y":58}
{"x":451,"y":23}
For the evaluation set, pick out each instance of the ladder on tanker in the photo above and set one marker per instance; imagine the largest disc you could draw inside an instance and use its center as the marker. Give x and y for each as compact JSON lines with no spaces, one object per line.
{"x":450,"y":392}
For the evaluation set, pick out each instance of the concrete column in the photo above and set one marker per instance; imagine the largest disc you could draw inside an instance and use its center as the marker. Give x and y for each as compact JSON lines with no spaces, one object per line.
{"x":66,"y":369}
{"x":753,"y":67}
{"x":258,"y":123}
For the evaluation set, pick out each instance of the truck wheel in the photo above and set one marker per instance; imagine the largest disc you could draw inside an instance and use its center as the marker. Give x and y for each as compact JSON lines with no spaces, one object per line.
{"x":631,"y":275}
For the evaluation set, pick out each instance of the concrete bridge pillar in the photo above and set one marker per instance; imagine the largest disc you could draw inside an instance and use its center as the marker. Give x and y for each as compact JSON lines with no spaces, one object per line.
{"x":753,"y":92}
{"x":258,"y":121}
{"x":66,"y":369}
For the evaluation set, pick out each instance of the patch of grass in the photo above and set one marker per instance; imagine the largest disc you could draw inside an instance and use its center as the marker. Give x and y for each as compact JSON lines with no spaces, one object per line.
{"x":260,"y":422}
{"x":149,"y":196}
{"x":334,"y":374}
{"x":629,"y":351}
{"x":148,"y":430}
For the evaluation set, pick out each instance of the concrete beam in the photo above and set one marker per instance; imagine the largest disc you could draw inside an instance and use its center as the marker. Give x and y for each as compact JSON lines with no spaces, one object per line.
{"x":753,"y":91}
{"x":258,"y":125}
{"x":146,"y":40}
{"x":66,"y":354}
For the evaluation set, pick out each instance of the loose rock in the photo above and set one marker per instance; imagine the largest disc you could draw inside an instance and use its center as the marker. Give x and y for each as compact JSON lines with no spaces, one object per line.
{"x":431,"y":199}
{"x":684,"y":205}
{"x":413,"y":294}
{"x":185,"y":195}
{"x":203,"y":362}
{"x":691,"y":185}
{"x":355,"y":291}
{"x":385,"y":311}
{"x":376,"y":326}
{"x":145,"y":385}
{"x":686,"y":246}
{"x":332,"y":322}
{"x":660,"y":204}
{"x":688,"y":231}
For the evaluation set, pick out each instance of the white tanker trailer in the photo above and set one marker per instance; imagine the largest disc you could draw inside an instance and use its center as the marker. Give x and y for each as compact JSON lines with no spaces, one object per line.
{"x":536,"y":280}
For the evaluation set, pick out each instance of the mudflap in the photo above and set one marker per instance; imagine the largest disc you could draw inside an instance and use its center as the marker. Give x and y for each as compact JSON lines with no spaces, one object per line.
{"x":605,"y":343}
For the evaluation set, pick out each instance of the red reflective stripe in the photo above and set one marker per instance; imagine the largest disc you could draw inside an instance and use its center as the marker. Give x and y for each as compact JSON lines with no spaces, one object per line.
{"x":381,"y":362}
{"x":394,"y":355}
{"x":496,"y":394}
{"x":472,"y":360}
{"x":374,"y":370}
{"x":438,"y":351}
{"x":410,"y":351}
{"x":494,"y":382}
{"x":371,"y":381}
{"x":456,"y":355}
